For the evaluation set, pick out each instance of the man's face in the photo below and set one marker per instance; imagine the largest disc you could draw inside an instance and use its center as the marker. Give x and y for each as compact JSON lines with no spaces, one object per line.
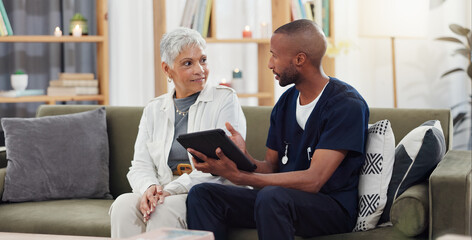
{"x":281,"y":60}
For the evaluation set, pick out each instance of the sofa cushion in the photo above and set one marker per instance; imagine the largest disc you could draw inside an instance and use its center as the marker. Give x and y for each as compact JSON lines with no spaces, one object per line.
{"x":416,"y":156}
{"x":57,"y":157}
{"x":375,"y":175}
{"x":84,"y":217}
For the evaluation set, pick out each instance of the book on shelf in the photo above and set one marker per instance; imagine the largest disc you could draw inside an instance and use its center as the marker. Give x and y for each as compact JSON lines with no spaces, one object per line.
{"x":189,"y":13}
{"x":206,"y":19}
{"x":196,"y":15}
{"x":22,"y":93}
{"x":194,"y":22}
{"x":185,"y":14}
{"x":296,"y":14}
{"x":74,"y":83}
{"x":4,"y":17}
{"x":318,"y":12}
{"x":301,"y":9}
{"x":326,"y":23}
{"x":72,"y":91}
{"x":309,"y":10}
{"x":3,"y":27}
{"x":76,"y":76}
{"x":201,"y":16}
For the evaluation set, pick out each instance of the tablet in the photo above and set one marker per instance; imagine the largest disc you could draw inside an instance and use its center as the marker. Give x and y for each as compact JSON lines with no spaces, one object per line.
{"x":207,"y":141}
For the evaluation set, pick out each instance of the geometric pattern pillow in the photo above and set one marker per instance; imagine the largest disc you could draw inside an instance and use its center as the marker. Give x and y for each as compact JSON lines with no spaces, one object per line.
{"x":416,"y":156}
{"x":57,"y":157}
{"x":375,"y":175}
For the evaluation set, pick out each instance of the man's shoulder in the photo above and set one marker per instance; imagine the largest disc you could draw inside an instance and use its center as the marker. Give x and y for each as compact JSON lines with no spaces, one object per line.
{"x":342,"y":92}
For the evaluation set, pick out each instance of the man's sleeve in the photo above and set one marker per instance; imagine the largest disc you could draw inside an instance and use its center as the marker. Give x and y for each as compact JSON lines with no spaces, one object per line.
{"x":345,"y":127}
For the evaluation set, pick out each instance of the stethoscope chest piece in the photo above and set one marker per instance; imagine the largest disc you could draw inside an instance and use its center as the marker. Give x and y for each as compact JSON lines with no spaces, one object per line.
{"x":285,"y":158}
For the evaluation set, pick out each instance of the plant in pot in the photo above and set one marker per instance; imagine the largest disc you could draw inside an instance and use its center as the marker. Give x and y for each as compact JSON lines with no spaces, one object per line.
{"x":78,"y":19}
{"x":19,"y":80}
{"x":465,"y":51}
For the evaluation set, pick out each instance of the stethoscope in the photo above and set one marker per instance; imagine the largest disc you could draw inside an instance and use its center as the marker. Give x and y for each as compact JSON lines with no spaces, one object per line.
{"x":285,"y":157}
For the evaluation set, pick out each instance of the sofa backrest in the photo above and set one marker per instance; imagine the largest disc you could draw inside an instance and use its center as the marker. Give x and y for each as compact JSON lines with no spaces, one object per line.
{"x":123,"y":122}
{"x":404,"y":120}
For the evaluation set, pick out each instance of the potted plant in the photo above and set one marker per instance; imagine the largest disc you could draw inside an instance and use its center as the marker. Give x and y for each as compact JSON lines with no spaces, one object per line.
{"x":19,"y":80}
{"x":465,"y":51}
{"x":78,"y":19}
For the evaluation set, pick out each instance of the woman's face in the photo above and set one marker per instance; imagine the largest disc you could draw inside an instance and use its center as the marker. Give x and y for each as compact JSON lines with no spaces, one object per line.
{"x":190,"y":71}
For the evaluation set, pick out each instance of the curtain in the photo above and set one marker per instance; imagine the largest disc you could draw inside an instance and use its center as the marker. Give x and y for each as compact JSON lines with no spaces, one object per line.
{"x":131,"y":52}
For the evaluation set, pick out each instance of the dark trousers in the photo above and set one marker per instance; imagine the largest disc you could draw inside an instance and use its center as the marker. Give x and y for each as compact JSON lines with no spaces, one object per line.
{"x":276,"y":212}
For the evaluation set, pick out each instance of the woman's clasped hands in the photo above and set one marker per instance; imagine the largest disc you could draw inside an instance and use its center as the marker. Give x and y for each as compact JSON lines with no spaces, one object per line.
{"x":154,"y":195}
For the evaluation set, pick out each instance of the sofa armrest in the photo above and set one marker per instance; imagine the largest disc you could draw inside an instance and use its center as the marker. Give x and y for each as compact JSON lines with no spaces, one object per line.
{"x":450,"y":195}
{"x":3,"y":157}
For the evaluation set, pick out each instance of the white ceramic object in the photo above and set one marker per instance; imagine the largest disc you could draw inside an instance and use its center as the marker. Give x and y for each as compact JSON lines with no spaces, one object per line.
{"x":19,"y":81}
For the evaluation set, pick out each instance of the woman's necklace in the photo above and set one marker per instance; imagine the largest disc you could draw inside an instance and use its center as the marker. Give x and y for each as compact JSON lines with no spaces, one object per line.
{"x":181,"y":113}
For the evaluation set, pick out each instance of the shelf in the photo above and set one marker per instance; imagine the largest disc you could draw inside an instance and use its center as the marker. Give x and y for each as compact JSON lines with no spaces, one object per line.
{"x":257,"y":95}
{"x":239,"y":40}
{"x":47,"y":38}
{"x":102,"y":59}
{"x":51,"y":99}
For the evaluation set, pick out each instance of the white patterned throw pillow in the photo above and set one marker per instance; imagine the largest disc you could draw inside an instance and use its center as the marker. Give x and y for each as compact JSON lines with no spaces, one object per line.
{"x":375,"y":175}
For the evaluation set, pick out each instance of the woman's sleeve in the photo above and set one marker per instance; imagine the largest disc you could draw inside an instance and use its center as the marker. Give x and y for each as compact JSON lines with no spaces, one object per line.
{"x":142,"y":172}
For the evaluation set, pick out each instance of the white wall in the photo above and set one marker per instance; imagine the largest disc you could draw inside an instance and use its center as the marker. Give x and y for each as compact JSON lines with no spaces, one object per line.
{"x":420,"y":62}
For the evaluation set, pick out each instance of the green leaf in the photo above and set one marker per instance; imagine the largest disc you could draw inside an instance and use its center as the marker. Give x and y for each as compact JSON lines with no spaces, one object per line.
{"x":452,"y":71}
{"x":450,"y":39}
{"x":78,"y":17}
{"x":462,"y":51}
{"x":460,"y":117}
{"x":19,"y":71}
{"x":458,"y":29}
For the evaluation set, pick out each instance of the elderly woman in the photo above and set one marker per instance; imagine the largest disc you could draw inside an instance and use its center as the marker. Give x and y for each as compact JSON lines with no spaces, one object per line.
{"x":159,"y":193}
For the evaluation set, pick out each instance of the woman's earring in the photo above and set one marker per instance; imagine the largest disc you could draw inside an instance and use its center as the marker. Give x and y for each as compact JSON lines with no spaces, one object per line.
{"x":169,"y":80}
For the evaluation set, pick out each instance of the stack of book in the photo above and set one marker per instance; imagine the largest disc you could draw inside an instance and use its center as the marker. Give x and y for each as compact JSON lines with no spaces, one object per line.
{"x":315,"y":10}
{"x":197,"y":16}
{"x":5,"y":27}
{"x":73,"y":84}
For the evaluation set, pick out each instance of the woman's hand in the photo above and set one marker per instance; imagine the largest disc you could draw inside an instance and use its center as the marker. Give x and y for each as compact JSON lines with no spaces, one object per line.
{"x":154,"y":195}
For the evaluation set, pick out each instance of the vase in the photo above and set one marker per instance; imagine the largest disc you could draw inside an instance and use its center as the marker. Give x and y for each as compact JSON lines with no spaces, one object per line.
{"x":19,"y":81}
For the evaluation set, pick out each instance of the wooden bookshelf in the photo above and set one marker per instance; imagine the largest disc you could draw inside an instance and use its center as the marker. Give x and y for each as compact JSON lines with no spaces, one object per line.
{"x":46,"y":38}
{"x":101,"y":39}
{"x":281,"y":14}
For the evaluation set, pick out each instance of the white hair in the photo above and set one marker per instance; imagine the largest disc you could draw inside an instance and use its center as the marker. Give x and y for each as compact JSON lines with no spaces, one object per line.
{"x":175,"y":41}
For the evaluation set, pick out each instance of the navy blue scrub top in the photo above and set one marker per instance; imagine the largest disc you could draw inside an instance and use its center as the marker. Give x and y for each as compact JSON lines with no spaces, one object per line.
{"x":339,"y":121}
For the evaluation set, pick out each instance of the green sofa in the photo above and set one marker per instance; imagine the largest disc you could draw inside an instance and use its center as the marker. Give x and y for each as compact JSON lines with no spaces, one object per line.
{"x":443,"y":203}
